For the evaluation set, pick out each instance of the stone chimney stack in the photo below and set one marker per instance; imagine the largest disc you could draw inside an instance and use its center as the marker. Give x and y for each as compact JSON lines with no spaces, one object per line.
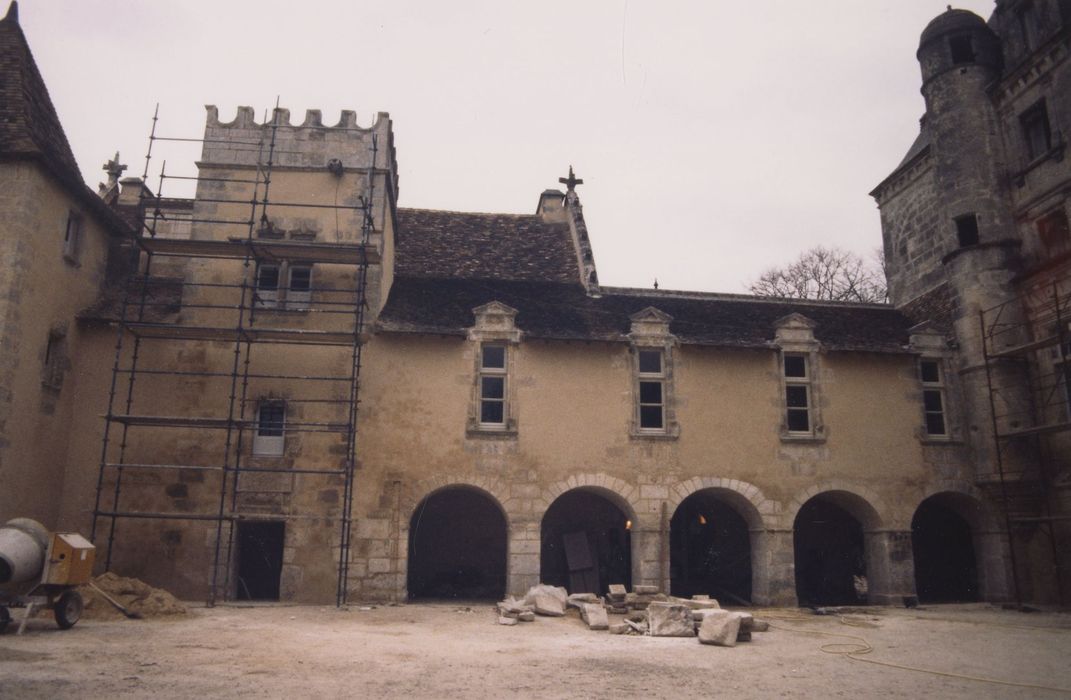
{"x":552,"y":207}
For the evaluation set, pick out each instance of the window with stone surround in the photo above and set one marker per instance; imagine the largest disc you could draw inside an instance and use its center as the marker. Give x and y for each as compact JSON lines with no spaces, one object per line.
{"x":797,"y":359}
{"x":270,"y":291}
{"x":494,"y":410}
{"x":932,"y":377}
{"x":299,"y":289}
{"x":269,"y":433}
{"x":494,"y":339}
{"x":652,"y":350}
{"x":1037,"y":136}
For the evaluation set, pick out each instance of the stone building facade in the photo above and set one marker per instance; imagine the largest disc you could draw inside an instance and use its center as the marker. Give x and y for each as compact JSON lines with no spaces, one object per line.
{"x":518,"y":421}
{"x":975,"y":224}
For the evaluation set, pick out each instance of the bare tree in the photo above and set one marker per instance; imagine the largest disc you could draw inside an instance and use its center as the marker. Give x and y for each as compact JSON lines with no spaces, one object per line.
{"x":828,"y":274}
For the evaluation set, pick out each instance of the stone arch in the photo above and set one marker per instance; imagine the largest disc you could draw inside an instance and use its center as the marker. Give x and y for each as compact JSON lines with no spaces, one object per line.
{"x":463,"y":548}
{"x":748,"y":499}
{"x":604,"y":509}
{"x":421,"y":490}
{"x":838,"y":543}
{"x":987,"y":538}
{"x":619,"y":492}
{"x":864,"y":504}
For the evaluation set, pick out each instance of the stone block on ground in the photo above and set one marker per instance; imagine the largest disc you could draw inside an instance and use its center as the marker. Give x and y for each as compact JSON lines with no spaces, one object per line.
{"x":546,"y":604}
{"x":577,"y":600}
{"x":760,"y":625}
{"x":502,"y":620}
{"x":640,"y":627}
{"x":705,"y":604}
{"x":526,"y":616}
{"x":670,"y":620}
{"x":645,"y":590}
{"x":700,"y":615}
{"x":617,"y":590}
{"x":555,"y":591}
{"x":747,"y":623}
{"x":622,"y":628}
{"x":595,"y":615}
{"x":720,"y":630}
{"x":511,"y":607}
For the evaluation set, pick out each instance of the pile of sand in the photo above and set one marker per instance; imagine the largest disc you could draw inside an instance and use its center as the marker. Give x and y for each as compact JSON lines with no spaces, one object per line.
{"x":136,"y":596}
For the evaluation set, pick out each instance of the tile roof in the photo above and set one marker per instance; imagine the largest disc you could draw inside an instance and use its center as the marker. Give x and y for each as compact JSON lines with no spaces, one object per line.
{"x":448,"y":244}
{"x":30,"y":129}
{"x":565,"y":311}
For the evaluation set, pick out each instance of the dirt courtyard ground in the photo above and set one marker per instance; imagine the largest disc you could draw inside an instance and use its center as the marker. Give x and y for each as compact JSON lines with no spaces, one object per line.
{"x":458,"y":651}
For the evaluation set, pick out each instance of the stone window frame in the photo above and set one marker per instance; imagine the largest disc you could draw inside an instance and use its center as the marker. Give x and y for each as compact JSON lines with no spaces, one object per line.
{"x":794,"y":337}
{"x":650,"y":332}
{"x":54,"y":360}
{"x":265,"y":443}
{"x":72,"y":238}
{"x":1035,"y":123}
{"x":280,"y":297}
{"x":933,"y":388}
{"x":930,"y":345}
{"x":495,"y":324}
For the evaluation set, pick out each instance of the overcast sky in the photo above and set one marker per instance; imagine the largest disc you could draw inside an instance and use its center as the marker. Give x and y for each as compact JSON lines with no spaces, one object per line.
{"x":715,"y":138}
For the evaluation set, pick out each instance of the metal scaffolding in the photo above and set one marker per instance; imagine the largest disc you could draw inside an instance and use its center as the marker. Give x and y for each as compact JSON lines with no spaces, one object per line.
{"x":237,"y":311}
{"x":1031,"y":333}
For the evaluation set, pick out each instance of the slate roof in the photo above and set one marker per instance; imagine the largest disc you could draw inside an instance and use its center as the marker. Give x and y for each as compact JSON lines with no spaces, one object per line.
{"x":566,"y":312}
{"x":30,"y":129}
{"x":447,"y":244}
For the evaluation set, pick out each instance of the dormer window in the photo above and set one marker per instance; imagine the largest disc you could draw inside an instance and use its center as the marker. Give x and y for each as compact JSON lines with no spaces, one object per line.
{"x":495,"y":340}
{"x":797,"y":360}
{"x":652,"y":350}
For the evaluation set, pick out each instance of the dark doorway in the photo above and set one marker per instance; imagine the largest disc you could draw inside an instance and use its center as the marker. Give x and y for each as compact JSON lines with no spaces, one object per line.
{"x":586,"y":544}
{"x":830,"y":556}
{"x":709,"y":550}
{"x":945,"y":567}
{"x":457,"y":547}
{"x":260,"y":559}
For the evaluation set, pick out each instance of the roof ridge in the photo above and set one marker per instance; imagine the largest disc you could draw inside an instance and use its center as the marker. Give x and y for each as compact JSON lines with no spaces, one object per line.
{"x":469,"y":213}
{"x":730,"y":296}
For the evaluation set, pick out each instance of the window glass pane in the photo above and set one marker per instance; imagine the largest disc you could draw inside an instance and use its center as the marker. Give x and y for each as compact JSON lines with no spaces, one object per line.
{"x":650,"y":392}
{"x":270,"y":421}
{"x":930,"y":371}
{"x":935,"y":423}
{"x":650,"y":416}
{"x":494,"y":357}
{"x":798,"y":421}
{"x":492,"y":387}
{"x":932,"y":401}
{"x":492,"y":411}
{"x":268,"y":277}
{"x":795,"y":366}
{"x":300,"y":278}
{"x":651,"y":361}
{"x":796,"y":396}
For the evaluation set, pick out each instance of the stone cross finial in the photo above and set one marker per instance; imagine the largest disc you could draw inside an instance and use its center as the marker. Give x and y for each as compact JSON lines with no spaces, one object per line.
{"x":572,"y":181}
{"x":114,"y":169}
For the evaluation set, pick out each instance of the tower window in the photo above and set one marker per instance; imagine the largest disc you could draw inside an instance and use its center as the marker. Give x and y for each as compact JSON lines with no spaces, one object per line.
{"x":268,"y":435}
{"x":967,"y":230}
{"x":962,"y":49}
{"x":1054,"y":232}
{"x":1028,"y":25}
{"x":1036,"y":133}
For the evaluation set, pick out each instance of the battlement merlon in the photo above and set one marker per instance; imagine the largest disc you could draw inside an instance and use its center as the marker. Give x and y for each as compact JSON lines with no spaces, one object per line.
{"x":309,"y":145}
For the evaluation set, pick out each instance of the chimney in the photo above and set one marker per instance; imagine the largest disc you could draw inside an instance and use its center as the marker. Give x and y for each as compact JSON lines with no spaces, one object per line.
{"x":552,"y":207}
{"x":131,"y":191}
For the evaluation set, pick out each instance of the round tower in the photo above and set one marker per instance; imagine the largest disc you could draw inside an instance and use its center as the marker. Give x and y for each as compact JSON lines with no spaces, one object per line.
{"x":960,"y":58}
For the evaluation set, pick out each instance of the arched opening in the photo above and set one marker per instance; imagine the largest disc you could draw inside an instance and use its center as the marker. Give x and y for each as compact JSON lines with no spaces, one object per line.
{"x":586,"y":543}
{"x":943,"y":543}
{"x":710,"y":550}
{"x":457,"y":546}
{"x":831,"y":566}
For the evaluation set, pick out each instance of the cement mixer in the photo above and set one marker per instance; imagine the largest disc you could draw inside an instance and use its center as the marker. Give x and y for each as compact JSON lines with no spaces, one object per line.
{"x":38,"y":569}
